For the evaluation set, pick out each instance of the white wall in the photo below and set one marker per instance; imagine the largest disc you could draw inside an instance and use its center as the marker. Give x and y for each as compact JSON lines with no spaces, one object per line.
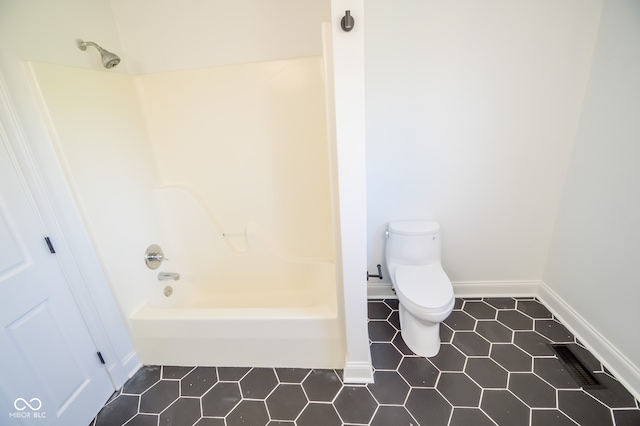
{"x":471,"y":111}
{"x":45,"y":31}
{"x":170,"y":35}
{"x":348,"y":91}
{"x":594,"y":254}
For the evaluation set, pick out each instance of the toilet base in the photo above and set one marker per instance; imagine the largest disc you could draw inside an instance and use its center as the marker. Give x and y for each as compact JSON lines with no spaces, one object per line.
{"x":422,"y":337}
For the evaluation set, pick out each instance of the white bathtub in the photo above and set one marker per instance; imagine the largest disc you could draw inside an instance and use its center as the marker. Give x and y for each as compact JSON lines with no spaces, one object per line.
{"x":278,"y":328}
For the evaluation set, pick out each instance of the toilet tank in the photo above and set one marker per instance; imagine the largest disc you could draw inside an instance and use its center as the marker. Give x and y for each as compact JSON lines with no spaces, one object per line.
{"x":412,"y":243}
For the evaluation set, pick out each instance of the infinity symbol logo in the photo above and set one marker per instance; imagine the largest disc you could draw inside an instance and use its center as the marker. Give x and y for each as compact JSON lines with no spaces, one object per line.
{"x":22,"y":404}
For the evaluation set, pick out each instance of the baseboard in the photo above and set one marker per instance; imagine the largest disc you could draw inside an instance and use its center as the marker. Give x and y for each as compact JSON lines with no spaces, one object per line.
{"x":624,"y":370}
{"x":357,"y":372}
{"x":122,"y":370}
{"x":380,"y":290}
{"x":131,"y":363}
{"x":495,"y":288}
{"x":467,"y":289}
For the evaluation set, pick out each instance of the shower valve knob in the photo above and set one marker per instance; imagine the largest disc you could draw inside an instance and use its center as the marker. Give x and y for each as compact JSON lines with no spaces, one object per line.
{"x":154,"y":256}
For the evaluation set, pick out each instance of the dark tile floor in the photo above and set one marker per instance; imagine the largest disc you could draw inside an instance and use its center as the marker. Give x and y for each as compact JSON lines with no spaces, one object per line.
{"x":495,"y":367}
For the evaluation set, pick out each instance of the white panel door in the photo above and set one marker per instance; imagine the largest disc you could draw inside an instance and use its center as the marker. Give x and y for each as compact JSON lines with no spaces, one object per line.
{"x":50,"y":373}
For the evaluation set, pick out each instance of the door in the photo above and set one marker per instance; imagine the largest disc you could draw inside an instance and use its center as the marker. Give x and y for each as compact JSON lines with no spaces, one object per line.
{"x":50,"y":373}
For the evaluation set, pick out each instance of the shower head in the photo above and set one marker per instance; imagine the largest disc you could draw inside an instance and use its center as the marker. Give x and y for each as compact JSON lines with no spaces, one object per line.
{"x":109,"y":60}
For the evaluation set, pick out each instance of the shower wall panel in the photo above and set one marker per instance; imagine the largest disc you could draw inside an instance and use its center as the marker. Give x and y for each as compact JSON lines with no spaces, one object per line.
{"x":249,"y":143}
{"x":95,"y":119}
{"x":226,"y":168}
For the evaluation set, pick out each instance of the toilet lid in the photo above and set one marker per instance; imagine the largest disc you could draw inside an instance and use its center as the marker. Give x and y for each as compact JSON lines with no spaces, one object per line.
{"x":427,"y":286}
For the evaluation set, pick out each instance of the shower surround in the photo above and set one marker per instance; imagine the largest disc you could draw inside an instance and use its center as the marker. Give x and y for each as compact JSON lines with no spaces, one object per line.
{"x":228,"y":170}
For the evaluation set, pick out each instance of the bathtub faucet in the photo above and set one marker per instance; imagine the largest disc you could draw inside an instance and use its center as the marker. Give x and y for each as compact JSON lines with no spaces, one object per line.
{"x":164,"y":276}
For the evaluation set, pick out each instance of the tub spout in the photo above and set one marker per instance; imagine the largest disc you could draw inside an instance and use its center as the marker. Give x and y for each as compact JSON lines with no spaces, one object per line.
{"x":164,"y":276}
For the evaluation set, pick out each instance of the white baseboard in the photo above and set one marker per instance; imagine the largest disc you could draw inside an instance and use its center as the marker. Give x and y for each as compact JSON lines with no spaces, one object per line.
{"x":467,"y":289}
{"x":380,"y":290}
{"x":357,"y":372}
{"x":622,"y":368}
{"x":131,"y":364}
{"x":122,"y":370}
{"x":495,"y":288}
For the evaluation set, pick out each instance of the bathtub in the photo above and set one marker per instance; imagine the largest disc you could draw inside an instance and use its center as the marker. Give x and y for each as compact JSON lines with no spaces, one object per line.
{"x":282,"y":327}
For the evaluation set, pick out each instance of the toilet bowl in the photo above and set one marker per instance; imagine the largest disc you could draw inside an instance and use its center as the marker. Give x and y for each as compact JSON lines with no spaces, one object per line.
{"x":423,"y":288}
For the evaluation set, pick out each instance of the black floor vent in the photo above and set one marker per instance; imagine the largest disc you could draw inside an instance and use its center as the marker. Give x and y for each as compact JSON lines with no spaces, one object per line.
{"x":575,"y":367}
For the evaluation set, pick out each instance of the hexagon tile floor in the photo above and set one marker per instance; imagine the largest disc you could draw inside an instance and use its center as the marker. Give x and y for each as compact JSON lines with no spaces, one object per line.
{"x":495,"y":367}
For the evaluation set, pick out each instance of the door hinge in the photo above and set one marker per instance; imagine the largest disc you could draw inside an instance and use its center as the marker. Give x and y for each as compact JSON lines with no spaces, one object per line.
{"x":101,"y":358}
{"x":49,"y":244}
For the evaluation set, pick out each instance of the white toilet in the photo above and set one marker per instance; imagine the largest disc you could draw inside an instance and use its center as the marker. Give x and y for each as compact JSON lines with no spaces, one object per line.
{"x":424,"y":290}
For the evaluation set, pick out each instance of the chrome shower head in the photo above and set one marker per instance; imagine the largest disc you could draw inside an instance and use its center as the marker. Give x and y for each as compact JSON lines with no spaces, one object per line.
{"x":109,"y":60}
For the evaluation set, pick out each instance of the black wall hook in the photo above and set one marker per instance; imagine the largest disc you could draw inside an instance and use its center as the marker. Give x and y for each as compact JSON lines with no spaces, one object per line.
{"x":347,"y":21}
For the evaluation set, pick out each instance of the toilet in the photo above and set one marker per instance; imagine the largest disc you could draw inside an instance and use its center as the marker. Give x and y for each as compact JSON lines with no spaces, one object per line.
{"x":423,"y":288}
